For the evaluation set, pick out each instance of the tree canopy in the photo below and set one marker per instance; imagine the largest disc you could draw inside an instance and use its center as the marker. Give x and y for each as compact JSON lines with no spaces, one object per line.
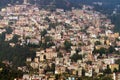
{"x":76,"y":57}
{"x":67,"y":45}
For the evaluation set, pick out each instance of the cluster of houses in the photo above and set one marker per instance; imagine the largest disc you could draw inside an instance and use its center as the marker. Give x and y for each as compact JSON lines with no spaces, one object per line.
{"x":81,"y":27}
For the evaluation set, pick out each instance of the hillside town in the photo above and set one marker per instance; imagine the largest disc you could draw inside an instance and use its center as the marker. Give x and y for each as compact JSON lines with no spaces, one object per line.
{"x":68,"y":44}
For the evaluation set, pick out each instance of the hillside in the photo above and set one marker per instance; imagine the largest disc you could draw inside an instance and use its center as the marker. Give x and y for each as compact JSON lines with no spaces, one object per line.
{"x":66,"y":4}
{"x":107,"y":7}
{"x":3,"y":3}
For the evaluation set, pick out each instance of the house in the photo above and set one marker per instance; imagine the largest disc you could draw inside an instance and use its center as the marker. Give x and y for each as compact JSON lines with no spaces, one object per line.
{"x":8,"y":37}
{"x":34,"y":65}
{"x":34,"y":41}
{"x":36,"y":60}
{"x":12,"y":44}
{"x":60,"y":69}
{"x":28,"y":59}
{"x":72,"y":52}
{"x":80,"y":71}
{"x":26,"y":77}
{"x":89,"y":73}
{"x":51,"y":79}
{"x":50,"y":53}
{"x":42,"y":57}
{"x":118,"y":76}
{"x":109,"y":61}
{"x":114,"y":66}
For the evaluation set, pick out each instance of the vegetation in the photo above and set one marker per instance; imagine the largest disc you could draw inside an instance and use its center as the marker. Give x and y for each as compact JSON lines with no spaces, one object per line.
{"x":107,"y":70}
{"x":1,"y":17}
{"x":15,"y":39}
{"x":14,"y":54}
{"x":43,"y":33}
{"x":100,"y":77}
{"x":50,"y":68}
{"x":76,"y":57}
{"x":83,"y":72}
{"x":52,"y":26}
{"x":116,"y":20}
{"x":97,"y":43}
{"x":47,"y":43}
{"x":67,"y":45}
{"x":17,"y":55}
{"x":8,"y":73}
{"x":118,"y":62}
{"x":2,"y":37}
{"x":103,"y":50}
{"x":47,"y":19}
{"x":9,"y":30}
{"x":59,"y":54}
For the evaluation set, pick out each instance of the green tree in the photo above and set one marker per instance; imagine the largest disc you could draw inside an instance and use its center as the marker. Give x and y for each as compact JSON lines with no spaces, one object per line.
{"x":106,"y":78}
{"x":102,"y":50}
{"x":107,"y":70}
{"x":59,"y":54}
{"x":9,"y":30}
{"x":1,"y":17}
{"x":47,"y":19}
{"x":97,"y":43}
{"x":111,"y":49}
{"x":48,"y":42}
{"x":119,"y":68}
{"x":17,"y":54}
{"x":52,"y":25}
{"x":76,"y":57}
{"x":117,"y":61}
{"x":48,"y":39}
{"x":115,"y":70}
{"x":9,"y":73}
{"x":89,"y":62}
{"x":78,"y":50}
{"x":67,"y":26}
{"x":83,"y":72}
{"x":43,"y":33}
{"x":67,"y":45}
{"x":15,"y":39}
{"x":53,"y":67}
{"x":2,"y":37}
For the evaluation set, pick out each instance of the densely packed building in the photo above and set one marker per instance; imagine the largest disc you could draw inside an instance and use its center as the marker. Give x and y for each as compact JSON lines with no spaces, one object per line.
{"x":72,"y":41}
